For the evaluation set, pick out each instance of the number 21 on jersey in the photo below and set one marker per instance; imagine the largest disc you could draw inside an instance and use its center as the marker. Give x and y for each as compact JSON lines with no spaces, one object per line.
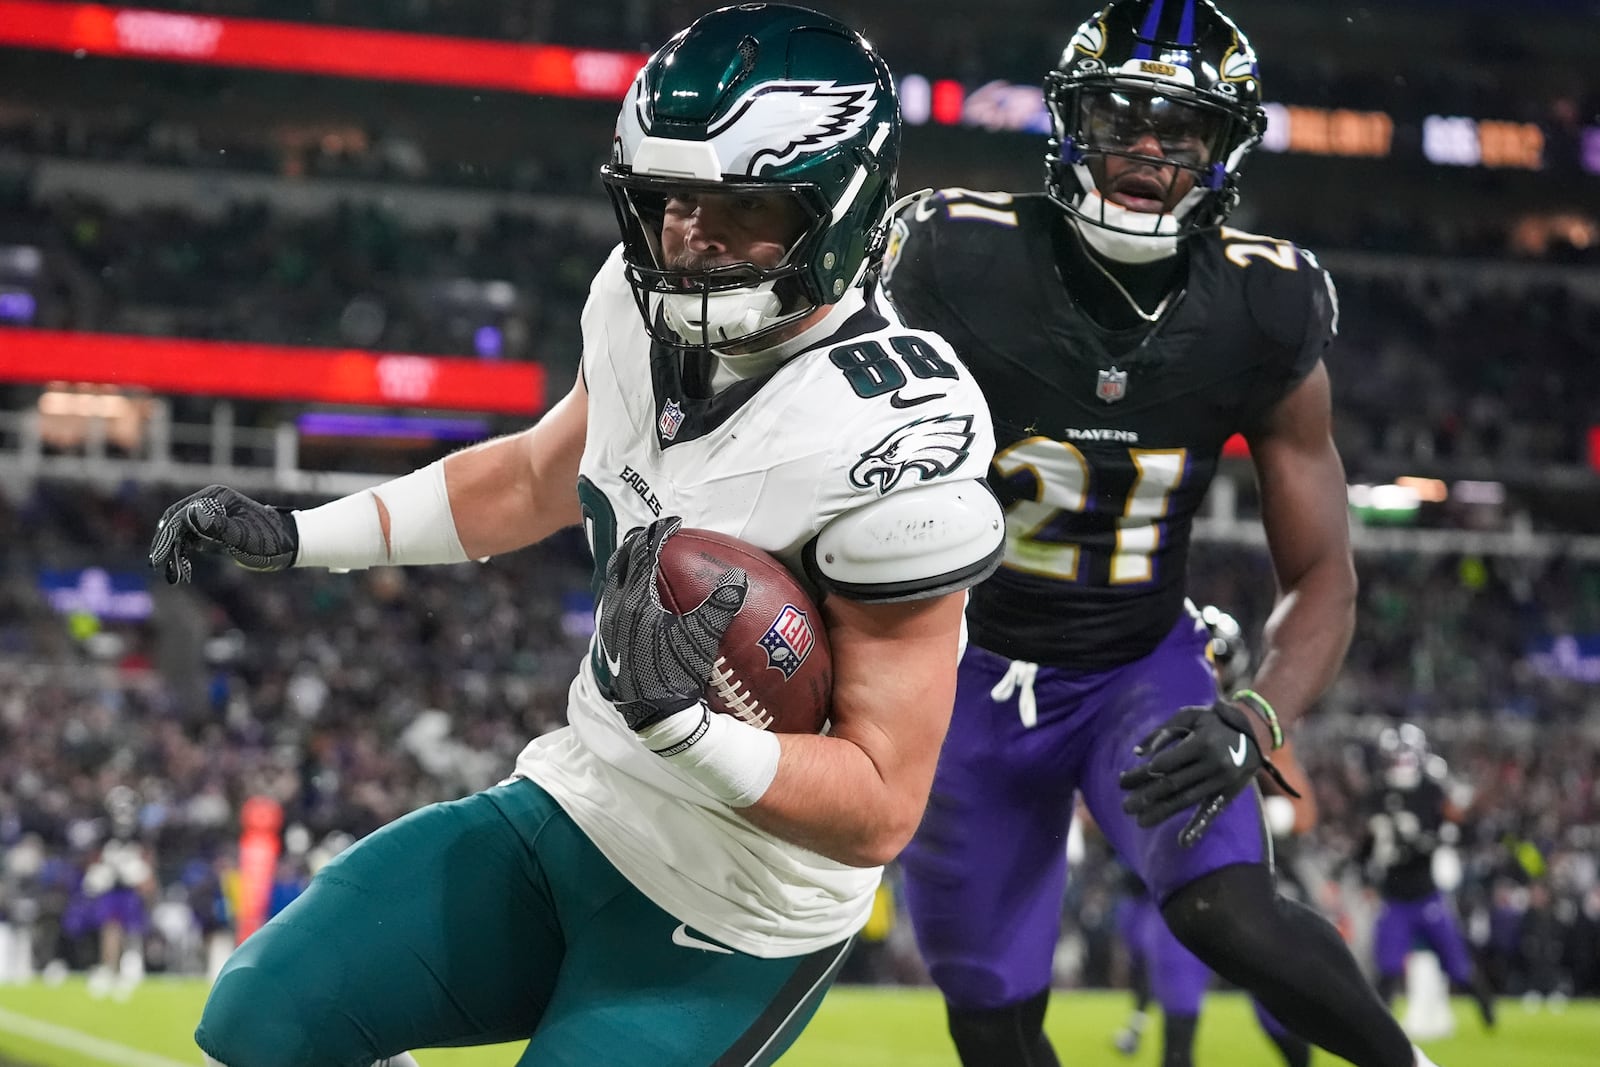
{"x":1063,"y":479}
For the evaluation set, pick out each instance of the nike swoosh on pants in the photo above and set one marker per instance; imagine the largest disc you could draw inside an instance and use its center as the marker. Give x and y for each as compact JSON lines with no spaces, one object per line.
{"x":682,"y":936}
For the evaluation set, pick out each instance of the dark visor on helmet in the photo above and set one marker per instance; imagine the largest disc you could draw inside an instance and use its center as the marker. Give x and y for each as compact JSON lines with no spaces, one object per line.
{"x":1128,"y":121}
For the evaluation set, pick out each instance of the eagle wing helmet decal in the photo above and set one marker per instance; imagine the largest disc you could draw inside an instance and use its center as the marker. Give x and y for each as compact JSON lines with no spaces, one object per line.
{"x":775,"y":124}
{"x":929,"y":447}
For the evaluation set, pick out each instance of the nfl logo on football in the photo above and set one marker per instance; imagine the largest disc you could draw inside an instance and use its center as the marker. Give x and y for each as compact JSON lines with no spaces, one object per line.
{"x":671,"y":419}
{"x":788,"y":640}
{"x":1111,"y":387}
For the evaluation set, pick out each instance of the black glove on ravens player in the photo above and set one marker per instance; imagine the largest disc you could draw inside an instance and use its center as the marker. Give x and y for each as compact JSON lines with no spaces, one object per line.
{"x":219,"y":519}
{"x":1202,"y":756}
{"x":658,"y":661}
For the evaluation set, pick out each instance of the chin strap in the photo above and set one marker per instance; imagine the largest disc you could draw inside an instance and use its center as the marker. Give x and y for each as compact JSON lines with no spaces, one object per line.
{"x":729,"y":316}
{"x":1126,"y":236}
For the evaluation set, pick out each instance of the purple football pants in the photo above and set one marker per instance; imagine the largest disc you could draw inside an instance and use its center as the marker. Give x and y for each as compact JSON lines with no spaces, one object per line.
{"x":986,"y":871}
{"x":1178,"y":979}
{"x":122,"y":907}
{"x":1403,"y":924}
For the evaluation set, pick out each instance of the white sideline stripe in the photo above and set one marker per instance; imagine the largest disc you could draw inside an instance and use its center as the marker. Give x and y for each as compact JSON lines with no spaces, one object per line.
{"x":77,"y":1041}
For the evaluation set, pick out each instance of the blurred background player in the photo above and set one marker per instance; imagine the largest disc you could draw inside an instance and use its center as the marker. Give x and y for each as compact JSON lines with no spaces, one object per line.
{"x":1122,"y":335}
{"x":119,"y":888}
{"x":1410,"y":819}
{"x":1159,"y":965}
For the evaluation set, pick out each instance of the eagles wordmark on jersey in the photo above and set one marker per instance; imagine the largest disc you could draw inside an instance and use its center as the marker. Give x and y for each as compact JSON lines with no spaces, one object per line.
{"x":1106,"y":440}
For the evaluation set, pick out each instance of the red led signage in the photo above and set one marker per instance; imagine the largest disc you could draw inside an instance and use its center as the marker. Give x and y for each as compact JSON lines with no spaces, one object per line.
{"x":271,"y":372}
{"x":340,"y":51}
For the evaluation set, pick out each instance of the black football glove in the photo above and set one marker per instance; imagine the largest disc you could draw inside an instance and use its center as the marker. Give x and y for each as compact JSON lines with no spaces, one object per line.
{"x":218,"y":519}
{"x":658,"y":662}
{"x":1203,"y":755}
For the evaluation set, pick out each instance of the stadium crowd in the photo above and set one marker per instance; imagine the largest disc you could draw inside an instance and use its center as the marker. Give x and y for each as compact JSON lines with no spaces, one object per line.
{"x":355,"y":146}
{"x":1427,"y":368}
{"x":128,"y":744}
{"x":358,"y":277}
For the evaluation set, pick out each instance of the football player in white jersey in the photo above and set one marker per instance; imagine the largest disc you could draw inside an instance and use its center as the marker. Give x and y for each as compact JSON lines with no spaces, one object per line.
{"x":656,"y":884}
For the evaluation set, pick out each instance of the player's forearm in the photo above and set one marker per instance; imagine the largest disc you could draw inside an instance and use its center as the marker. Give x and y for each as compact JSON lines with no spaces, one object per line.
{"x":829,"y":796}
{"x":516,"y":490}
{"x":502,"y":499}
{"x":1306,"y":638}
{"x":857,"y":794}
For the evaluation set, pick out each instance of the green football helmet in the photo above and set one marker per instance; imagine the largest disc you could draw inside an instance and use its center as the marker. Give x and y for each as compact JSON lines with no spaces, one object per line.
{"x":758,"y":99}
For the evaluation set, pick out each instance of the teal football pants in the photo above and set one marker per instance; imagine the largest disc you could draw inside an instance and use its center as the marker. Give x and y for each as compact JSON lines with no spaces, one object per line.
{"x":491,"y":919}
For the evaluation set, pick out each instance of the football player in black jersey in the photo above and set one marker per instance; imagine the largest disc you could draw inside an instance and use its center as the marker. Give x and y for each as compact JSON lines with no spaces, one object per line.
{"x":1409,"y":816}
{"x":1122,"y":334}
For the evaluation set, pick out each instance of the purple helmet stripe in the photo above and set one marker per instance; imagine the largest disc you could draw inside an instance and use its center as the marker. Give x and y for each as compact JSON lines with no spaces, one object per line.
{"x":1186,"y":24}
{"x":1147,"y":32}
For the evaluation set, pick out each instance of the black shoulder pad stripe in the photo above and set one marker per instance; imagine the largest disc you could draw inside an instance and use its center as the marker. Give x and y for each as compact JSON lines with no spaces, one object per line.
{"x":895,"y":592}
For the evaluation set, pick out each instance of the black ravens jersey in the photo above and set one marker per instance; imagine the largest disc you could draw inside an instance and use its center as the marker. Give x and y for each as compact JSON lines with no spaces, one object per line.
{"x":1106,"y":440}
{"x":1403,"y":827}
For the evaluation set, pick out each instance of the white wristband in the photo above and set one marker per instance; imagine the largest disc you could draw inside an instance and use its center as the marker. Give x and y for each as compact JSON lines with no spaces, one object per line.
{"x":732,"y":760}
{"x":344,"y":535}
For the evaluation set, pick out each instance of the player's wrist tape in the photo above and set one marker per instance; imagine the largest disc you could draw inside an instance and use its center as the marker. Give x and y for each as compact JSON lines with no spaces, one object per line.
{"x":1249,"y":698}
{"x":733,"y":761}
{"x":344,"y":535}
{"x":347,"y":534}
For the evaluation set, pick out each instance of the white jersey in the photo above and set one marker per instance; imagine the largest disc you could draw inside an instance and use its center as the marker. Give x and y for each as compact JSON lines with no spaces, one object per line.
{"x":868,"y":408}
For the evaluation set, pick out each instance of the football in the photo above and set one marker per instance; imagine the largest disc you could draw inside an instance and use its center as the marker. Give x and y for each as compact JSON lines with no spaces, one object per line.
{"x":774,"y":669}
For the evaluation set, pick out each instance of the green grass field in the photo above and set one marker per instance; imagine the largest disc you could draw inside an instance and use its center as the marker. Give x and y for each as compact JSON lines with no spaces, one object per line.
{"x":61,"y":1026}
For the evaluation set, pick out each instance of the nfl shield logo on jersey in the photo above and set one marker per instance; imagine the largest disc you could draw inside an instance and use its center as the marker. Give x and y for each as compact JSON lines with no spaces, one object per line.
{"x":671,"y":419}
{"x":1111,"y":386}
{"x":788,"y":640}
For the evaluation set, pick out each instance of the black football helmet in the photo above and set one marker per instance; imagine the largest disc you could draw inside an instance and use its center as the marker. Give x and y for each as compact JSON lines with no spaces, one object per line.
{"x":761,"y":99}
{"x":1179,"y":70}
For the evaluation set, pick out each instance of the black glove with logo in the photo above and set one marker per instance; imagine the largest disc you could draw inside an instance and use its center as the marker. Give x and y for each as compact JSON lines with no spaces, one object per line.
{"x":1202,"y":756}
{"x":658,"y":662}
{"x":218,"y":519}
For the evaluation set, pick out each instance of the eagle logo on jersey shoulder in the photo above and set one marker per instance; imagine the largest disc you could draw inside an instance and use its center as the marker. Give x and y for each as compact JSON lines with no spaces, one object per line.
{"x":929,"y":448}
{"x":775,"y":123}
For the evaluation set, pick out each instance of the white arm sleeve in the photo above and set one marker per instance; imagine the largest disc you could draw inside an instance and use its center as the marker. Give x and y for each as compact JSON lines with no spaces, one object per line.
{"x":347,"y":535}
{"x":920,"y":542}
